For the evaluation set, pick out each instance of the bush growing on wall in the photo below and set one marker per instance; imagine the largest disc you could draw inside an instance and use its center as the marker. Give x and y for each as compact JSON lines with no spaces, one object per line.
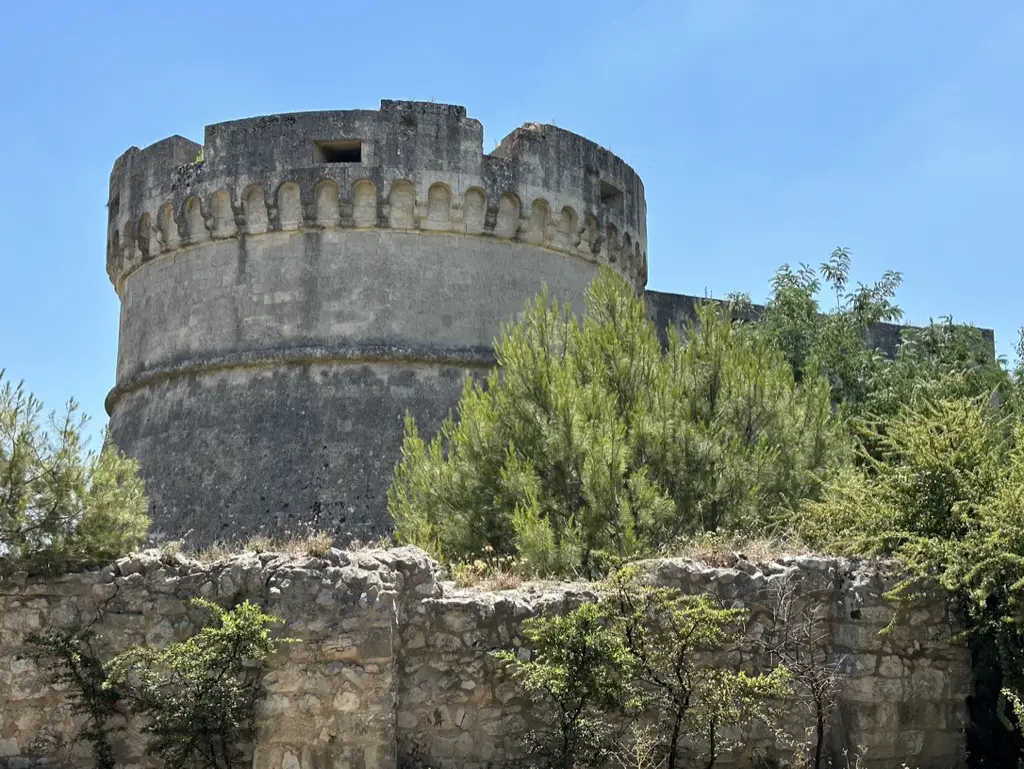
{"x":60,"y":505}
{"x":943,"y":490}
{"x":581,"y":673}
{"x":592,"y":444}
{"x":199,"y":696}
{"x":629,"y":673}
{"x":71,"y":658}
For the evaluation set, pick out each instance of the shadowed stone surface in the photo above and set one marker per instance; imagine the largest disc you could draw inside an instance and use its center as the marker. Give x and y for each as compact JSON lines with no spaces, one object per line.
{"x":281,"y":448}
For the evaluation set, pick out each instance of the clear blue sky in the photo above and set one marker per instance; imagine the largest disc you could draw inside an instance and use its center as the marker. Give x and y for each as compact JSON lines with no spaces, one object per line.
{"x":766,"y":131}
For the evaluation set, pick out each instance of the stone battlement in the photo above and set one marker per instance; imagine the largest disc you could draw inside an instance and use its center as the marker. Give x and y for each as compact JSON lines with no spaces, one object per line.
{"x":411,"y":166}
{"x":295,"y":285}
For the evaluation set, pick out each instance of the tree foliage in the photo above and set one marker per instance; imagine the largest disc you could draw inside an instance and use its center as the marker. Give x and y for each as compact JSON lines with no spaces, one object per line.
{"x":70,"y":657}
{"x":62,"y":506}
{"x":694,"y":702}
{"x":591,"y":444}
{"x":640,"y":654}
{"x":834,"y":341}
{"x":943,"y":492}
{"x":580,"y":672}
{"x":932,"y":469}
{"x":840,"y":342}
{"x":199,"y":696}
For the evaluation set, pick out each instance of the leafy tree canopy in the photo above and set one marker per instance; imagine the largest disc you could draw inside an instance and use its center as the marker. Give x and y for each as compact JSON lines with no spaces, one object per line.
{"x":590,"y":443}
{"x":62,"y":506}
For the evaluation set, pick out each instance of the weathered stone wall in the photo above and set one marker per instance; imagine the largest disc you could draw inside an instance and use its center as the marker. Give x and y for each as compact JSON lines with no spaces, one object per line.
{"x":902,"y":694}
{"x":395,"y":664}
{"x":330,"y":700}
{"x":333,"y":249}
{"x":317,"y":439}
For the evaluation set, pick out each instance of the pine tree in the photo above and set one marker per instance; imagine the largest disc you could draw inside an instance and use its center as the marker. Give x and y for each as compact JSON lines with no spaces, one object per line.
{"x":590,"y":444}
{"x":62,"y":506}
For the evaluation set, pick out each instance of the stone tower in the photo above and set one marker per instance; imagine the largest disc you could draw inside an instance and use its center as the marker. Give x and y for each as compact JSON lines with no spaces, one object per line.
{"x":295,"y":284}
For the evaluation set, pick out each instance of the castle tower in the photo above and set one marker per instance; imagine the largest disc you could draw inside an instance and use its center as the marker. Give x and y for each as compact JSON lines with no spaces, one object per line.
{"x":290,"y":288}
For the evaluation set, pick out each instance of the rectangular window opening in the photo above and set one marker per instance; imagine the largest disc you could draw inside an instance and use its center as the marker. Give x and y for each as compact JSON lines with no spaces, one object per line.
{"x":610,"y":194}
{"x":338,"y":151}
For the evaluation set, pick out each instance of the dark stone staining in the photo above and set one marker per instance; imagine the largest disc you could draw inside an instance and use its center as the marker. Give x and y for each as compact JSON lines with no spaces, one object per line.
{"x":281,"y":450}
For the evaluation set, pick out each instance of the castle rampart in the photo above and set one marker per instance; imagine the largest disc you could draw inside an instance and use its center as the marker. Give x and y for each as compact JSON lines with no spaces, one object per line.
{"x":411,"y":166}
{"x":293,"y":286}
{"x":678,"y":310}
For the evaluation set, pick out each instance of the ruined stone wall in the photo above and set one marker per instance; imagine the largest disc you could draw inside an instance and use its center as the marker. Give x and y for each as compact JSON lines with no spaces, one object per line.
{"x":394,"y":664}
{"x":902,"y":694}
{"x":330,"y":700}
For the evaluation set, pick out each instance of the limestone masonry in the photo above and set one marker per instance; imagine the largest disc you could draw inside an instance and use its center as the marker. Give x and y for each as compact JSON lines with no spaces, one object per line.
{"x":290,"y":288}
{"x":395,"y":669}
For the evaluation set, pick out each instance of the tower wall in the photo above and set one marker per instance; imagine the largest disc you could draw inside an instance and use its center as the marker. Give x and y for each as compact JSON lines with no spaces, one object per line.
{"x":291,"y":287}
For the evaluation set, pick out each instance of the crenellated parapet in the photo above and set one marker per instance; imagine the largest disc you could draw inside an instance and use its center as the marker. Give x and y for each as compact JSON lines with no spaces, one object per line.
{"x":411,"y":166}
{"x":295,"y":285}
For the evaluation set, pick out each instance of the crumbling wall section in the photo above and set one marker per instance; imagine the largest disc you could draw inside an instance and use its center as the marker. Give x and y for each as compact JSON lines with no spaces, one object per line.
{"x":903,"y":678}
{"x":330,"y":698}
{"x":394,"y":666}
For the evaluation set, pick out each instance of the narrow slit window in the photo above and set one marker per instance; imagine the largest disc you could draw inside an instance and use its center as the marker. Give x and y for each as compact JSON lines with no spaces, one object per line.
{"x":338,"y":151}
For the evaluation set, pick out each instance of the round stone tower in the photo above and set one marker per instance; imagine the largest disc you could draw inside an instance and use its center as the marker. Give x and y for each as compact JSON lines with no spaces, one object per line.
{"x":295,"y":284}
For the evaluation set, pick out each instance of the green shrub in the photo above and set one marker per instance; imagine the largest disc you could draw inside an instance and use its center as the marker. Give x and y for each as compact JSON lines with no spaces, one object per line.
{"x":580,"y":672}
{"x":930,"y":472}
{"x":670,"y":638}
{"x":832,"y":342}
{"x":70,"y":657}
{"x":837,"y":342}
{"x":62,"y":506}
{"x":590,"y":444}
{"x":199,"y":696}
{"x":630,"y":674}
{"x":944,"y":493}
